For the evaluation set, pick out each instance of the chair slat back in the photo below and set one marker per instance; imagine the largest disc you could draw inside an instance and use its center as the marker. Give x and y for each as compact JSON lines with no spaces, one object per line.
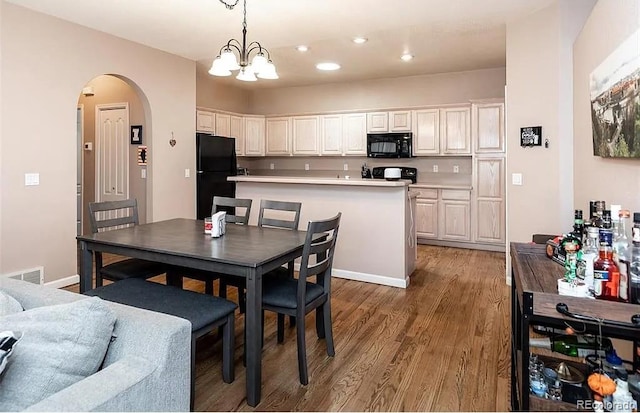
{"x":108,"y":215}
{"x":323,"y":250}
{"x":268,"y":205}
{"x":231,"y":205}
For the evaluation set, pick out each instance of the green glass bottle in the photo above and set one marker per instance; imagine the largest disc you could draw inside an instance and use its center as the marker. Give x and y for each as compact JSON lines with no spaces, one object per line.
{"x":570,"y":345}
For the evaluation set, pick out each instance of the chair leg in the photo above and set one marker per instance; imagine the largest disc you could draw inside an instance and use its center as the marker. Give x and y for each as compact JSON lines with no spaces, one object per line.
{"x":222,"y":289}
{"x":262,"y":330}
{"x":208,"y":287}
{"x":292,"y":321}
{"x":228,"y":369}
{"x":328,"y":331}
{"x":302,"y":350}
{"x":242,"y":300}
{"x":280,"y":328}
{"x":319,"y":322}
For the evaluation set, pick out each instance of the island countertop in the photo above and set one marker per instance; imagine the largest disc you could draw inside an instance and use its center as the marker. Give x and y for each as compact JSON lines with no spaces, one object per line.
{"x":319,"y":181}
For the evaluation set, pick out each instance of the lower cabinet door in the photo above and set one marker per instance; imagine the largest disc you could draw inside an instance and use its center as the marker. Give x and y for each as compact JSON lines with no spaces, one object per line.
{"x":455,"y":218}
{"x":427,"y":218}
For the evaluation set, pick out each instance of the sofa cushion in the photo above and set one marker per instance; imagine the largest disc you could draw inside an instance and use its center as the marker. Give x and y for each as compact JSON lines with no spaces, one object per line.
{"x":61,"y":345}
{"x":8,"y":304}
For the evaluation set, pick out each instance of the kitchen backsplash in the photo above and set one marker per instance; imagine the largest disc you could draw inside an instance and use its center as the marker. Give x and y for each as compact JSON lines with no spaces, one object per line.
{"x":335,"y":166}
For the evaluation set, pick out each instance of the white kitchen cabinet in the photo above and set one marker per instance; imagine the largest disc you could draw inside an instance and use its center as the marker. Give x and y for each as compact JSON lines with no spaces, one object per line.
{"x":223,"y":124}
{"x":426,"y":132}
{"x":236,"y":131}
{"x":488,"y":127}
{"x":354,"y":134}
{"x":205,"y":121}
{"x":489,"y":216}
{"x":306,"y":135}
{"x":427,"y":213}
{"x":254,"y":127}
{"x":455,"y":130}
{"x":377,"y":122}
{"x":456,"y":214}
{"x":278,"y":136}
{"x":400,"y":121}
{"x":331,"y":134}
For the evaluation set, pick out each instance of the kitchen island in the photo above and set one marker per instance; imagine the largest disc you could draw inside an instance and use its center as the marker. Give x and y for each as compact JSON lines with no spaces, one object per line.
{"x":377,"y":236}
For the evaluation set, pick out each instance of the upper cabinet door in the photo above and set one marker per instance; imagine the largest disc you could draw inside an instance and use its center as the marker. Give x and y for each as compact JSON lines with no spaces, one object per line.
{"x":400,"y":121}
{"x":305,"y":135}
{"x":455,"y":130}
{"x":236,"y":127}
{"x":377,"y":122}
{"x":278,"y":140}
{"x":488,"y":127}
{"x":254,"y":136}
{"x":355,"y":134}
{"x":426,"y":132}
{"x":205,"y":121}
{"x":331,"y":134}
{"x":223,"y":124}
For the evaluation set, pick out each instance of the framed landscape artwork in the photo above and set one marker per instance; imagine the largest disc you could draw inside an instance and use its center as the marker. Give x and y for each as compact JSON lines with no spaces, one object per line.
{"x":615,"y":102}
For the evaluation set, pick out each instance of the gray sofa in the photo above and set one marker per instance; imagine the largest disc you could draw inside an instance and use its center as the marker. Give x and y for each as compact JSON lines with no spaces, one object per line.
{"x":146,"y":368}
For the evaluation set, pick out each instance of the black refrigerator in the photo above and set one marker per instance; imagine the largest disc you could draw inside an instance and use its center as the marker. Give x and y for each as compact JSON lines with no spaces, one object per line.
{"x":215,"y":161}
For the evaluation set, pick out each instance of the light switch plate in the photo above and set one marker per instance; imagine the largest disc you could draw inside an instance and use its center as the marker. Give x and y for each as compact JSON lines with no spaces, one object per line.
{"x":346,"y":166}
{"x":272,"y":166}
{"x":456,"y":169}
{"x":31,"y":179}
{"x":306,"y":166}
{"x":516,"y":179}
{"x":187,"y":173}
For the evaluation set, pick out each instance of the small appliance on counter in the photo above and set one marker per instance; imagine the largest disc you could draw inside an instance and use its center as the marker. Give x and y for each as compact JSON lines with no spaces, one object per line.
{"x":405,"y":173}
{"x":366,"y":172}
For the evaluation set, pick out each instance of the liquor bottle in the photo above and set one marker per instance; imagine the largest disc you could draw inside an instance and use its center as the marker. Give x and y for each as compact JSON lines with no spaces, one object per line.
{"x":605,"y":271}
{"x":588,"y":255}
{"x":622,"y":254}
{"x":596,"y":212}
{"x":634,"y":268}
{"x":578,"y":225}
{"x":576,"y":346}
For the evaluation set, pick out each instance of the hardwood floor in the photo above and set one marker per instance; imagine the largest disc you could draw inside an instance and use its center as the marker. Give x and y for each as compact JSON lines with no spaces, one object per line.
{"x":442,"y":344}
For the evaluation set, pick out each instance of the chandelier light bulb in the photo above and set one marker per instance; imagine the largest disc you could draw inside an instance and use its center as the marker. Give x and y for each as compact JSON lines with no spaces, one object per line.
{"x":246,"y":74}
{"x":218,"y":69}
{"x":258,"y":63}
{"x":268,"y":71}
{"x":229,"y":60}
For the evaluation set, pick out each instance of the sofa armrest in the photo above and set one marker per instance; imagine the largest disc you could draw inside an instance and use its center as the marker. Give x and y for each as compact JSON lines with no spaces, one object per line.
{"x":118,"y":387}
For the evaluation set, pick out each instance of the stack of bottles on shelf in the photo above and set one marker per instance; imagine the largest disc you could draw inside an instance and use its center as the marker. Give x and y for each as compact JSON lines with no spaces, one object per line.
{"x":599,"y":255}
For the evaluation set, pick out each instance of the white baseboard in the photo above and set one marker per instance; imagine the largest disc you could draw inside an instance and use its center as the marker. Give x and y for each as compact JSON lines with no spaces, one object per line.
{"x":370,"y":278}
{"x":64,"y":282}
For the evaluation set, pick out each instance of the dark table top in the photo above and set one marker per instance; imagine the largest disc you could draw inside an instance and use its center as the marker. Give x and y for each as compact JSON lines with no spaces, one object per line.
{"x":242,"y":245}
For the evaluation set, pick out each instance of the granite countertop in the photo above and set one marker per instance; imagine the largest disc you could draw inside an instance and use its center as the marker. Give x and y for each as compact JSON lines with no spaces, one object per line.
{"x":442,"y":185}
{"x":352,"y":181}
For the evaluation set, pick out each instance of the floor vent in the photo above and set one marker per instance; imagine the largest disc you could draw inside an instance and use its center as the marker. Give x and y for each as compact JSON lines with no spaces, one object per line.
{"x":32,"y":275}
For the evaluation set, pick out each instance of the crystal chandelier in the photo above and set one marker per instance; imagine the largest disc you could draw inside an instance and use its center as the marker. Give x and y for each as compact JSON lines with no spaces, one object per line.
{"x":226,"y":61}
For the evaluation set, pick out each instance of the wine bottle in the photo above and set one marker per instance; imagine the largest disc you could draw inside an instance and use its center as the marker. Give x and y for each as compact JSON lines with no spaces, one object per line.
{"x":576,"y":346}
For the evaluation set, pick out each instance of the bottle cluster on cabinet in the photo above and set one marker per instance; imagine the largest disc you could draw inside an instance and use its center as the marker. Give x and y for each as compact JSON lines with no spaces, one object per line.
{"x":602,"y":253}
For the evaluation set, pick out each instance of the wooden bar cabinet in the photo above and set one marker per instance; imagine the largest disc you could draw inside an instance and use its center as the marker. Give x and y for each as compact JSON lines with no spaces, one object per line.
{"x":534,"y":297}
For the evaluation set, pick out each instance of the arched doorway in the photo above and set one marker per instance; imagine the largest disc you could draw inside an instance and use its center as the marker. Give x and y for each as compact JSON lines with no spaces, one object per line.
{"x":108,"y":160}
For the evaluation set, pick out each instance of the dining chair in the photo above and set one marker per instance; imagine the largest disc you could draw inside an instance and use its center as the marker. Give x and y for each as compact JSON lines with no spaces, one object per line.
{"x":273,"y":214}
{"x":298,"y":297}
{"x":238,"y":212}
{"x":109,"y":215}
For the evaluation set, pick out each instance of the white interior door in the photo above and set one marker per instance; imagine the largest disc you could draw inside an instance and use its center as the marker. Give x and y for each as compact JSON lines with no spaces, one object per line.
{"x":112,"y":152}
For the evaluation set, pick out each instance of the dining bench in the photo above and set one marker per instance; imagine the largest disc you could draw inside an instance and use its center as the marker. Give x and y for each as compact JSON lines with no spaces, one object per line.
{"x":205,"y":312}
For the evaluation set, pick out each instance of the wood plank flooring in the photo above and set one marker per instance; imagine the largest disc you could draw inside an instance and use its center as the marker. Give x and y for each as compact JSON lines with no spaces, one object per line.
{"x":440,"y":345}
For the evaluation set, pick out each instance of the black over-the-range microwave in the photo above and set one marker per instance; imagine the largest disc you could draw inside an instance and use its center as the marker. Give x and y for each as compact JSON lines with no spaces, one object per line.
{"x":389,"y":145}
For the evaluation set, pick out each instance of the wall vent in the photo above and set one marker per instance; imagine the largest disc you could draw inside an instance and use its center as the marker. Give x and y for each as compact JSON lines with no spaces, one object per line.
{"x":32,"y":275}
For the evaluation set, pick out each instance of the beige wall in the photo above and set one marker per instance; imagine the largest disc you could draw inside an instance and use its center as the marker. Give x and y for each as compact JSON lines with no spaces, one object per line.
{"x":1,"y":127}
{"x":45,"y":64}
{"x":610,"y":23}
{"x":539,"y":72}
{"x":110,"y":89}
{"x":410,"y":91}
{"x":215,"y":95}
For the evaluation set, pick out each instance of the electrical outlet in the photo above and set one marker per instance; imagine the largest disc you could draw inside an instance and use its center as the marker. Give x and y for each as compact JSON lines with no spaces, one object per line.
{"x":306,"y":166}
{"x":435,"y":168}
{"x":272,"y":166}
{"x":456,"y":169}
{"x":346,"y":166}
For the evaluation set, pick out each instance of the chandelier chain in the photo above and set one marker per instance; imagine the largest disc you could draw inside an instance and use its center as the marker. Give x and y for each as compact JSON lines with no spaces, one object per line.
{"x":229,"y":6}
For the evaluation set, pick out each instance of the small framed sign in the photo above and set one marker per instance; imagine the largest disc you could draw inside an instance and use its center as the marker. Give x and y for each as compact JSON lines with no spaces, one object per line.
{"x":142,"y":155}
{"x":531,"y":136}
{"x":136,"y":134}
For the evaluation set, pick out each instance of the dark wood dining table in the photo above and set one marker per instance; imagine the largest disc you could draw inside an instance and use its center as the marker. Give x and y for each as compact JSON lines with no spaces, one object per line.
{"x":244,"y":251}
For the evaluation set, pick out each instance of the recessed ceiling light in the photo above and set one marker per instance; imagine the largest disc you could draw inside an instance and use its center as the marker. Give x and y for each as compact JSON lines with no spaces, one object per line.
{"x":328,"y":66}
{"x":360,"y":40}
{"x":302,"y":48}
{"x":406,"y":57}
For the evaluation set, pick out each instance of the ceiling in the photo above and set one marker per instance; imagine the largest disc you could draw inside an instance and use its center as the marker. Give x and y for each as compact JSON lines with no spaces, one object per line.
{"x":443,"y":35}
